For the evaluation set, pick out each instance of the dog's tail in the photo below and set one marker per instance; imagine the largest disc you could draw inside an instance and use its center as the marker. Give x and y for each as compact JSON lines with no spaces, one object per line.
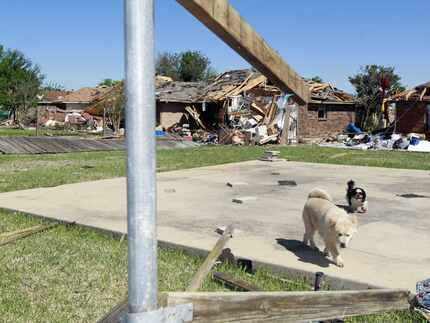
{"x":320,"y":194}
{"x":351,"y":185}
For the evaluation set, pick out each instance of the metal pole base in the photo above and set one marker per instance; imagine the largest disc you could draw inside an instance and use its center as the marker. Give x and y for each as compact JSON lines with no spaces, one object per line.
{"x":178,"y":314}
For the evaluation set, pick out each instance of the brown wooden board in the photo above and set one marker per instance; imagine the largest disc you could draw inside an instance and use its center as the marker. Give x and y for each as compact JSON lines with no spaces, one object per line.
{"x":230,"y":281}
{"x":287,"y":306}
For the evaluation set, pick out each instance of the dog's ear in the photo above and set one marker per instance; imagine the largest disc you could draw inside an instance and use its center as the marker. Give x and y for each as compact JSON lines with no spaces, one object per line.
{"x":331,"y":223}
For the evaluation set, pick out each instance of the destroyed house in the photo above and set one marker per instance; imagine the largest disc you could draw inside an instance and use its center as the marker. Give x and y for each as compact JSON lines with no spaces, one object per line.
{"x":172,"y":100}
{"x":413,"y":110}
{"x":328,"y":113}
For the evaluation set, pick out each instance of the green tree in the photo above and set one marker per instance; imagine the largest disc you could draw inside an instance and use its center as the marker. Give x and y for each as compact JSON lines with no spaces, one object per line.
{"x":317,"y":79}
{"x":372,"y":84}
{"x":189,"y":66}
{"x":109,"y":82}
{"x":20,"y":82}
{"x":167,"y":64}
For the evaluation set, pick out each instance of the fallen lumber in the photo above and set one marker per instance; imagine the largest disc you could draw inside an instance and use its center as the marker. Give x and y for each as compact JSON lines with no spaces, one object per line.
{"x":210,"y":260}
{"x":9,"y":237}
{"x":235,"y":283}
{"x":287,"y":306}
{"x":115,"y":315}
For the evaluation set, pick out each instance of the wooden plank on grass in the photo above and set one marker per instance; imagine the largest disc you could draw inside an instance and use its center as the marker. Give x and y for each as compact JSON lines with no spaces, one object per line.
{"x":114,"y":316}
{"x":210,"y":260}
{"x":233,"y":282}
{"x":9,"y":237}
{"x":287,"y":306}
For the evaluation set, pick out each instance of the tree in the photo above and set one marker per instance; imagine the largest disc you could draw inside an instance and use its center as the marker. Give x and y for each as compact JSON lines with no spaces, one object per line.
{"x":317,"y":79}
{"x":189,"y":66}
{"x":109,"y":82}
{"x":20,"y":82}
{"x":167,"y":64}
{"x":372,"y":84}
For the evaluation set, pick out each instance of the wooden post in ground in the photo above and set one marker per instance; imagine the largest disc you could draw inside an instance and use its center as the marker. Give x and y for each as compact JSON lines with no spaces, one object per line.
{"x":210,"y":260}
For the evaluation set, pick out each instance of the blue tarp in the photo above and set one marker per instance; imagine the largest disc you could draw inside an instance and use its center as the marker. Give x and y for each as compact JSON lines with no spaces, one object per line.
{"x":352,"y":128}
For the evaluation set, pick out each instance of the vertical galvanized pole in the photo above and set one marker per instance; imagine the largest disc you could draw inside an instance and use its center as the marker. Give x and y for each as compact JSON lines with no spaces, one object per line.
{"x":141,"y":182}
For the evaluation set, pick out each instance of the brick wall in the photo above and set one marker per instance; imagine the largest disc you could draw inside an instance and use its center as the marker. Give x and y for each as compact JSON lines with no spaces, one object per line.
{"x":337,"y":118}
{"x":411,"y":117}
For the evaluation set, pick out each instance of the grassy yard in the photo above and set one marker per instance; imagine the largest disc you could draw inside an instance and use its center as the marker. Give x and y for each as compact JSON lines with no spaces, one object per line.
{"x":28,"y":171}
{"x":71,"y":274}
{"x":11,"y":132}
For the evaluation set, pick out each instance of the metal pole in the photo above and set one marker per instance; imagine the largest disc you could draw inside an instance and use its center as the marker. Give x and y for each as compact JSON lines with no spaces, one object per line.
{"x":141,"y":182}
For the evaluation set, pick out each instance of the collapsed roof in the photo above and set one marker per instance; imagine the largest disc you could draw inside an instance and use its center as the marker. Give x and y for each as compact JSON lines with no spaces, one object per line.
{"x":326,"y":92}
{"x":418,"y":93}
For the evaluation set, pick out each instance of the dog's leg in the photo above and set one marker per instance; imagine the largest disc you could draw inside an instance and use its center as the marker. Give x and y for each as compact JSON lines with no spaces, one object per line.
{"x":311,"y":240}
{"x":331,"y":247}
{"x":326,"y":252}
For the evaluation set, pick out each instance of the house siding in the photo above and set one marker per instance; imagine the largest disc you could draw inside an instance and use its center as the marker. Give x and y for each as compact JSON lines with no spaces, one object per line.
{"x":337,"y":118}
{"x":411,"y":117}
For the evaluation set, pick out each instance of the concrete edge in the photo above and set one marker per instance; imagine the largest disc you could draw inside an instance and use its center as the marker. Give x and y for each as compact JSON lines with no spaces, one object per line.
{"x":294,"y":273}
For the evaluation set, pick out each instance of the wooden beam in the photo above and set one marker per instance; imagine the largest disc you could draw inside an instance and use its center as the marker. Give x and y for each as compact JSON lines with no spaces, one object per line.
{"x":210,"y":260}
{"x":9,"y":237}
{"x":222,"y":19}
{"x":235,"y":283}
{"x":287,"y":306}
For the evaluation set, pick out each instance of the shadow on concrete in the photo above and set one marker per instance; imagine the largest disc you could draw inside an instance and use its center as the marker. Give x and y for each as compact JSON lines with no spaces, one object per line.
{"x":305,"y":253}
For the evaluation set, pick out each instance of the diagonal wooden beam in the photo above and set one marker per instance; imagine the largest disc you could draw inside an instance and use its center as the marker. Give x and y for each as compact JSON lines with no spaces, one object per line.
{"x":222,"y":19}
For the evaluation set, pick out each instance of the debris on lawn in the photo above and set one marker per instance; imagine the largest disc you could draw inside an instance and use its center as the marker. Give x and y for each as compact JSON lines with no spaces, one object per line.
{"x":272,"y":156}
{"x":210,"y":260}
{"x":234,"y":283}
{"x":378,"y":140}
{"x":423,"y":295}
{"x":9,"y":237}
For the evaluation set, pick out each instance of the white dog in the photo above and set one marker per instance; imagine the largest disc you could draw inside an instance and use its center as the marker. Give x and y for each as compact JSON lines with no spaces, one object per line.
{"x":333,"y":224}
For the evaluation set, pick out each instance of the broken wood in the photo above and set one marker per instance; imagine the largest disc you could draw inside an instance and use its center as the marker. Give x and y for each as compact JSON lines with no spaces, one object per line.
{"x":210,"y":260}
{"x":287,"y":306}
{"x":196,"y":116}
{"x":9,"y":237}
{"x":235,"y":283}
{"x":257,"y":109}
{"x":114,"y":316}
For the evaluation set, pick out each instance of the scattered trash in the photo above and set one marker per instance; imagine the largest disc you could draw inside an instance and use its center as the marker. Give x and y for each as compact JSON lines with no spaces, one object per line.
{"x":287,"y":183}
{"x":241,"y":200}
{"x":380,"y":140}
{"x":231,"y":184}
{"x":271,"y":155}
{"x":423,"y":295}
{"x":412,"y":196}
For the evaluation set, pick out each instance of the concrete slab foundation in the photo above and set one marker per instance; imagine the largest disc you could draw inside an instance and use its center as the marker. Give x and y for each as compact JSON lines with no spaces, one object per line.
{"x":390,"y":250}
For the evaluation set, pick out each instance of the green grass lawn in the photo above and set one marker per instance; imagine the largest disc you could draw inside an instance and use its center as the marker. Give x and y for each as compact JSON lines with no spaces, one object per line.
{"x":72,"y":274}
{"x":28,"y":171}
{"x":16,"y":132}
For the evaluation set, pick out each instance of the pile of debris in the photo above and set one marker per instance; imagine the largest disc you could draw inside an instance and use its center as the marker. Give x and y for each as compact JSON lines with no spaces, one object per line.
{"x":327,"y":92}
{"x":379,"y":140}
{"x":250,"y":110}
{"x":53,"y":117}
{"x":419,"y":93}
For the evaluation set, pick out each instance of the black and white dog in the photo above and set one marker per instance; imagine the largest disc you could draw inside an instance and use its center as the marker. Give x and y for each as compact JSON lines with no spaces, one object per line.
{"x":356,"y":198}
